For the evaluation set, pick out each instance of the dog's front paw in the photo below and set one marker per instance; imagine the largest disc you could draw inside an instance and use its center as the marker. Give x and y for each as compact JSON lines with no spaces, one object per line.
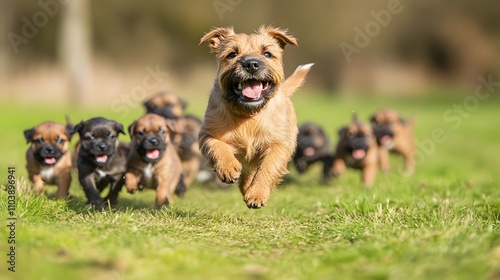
{"x":228,"y":171}
{"x":256,"y":198}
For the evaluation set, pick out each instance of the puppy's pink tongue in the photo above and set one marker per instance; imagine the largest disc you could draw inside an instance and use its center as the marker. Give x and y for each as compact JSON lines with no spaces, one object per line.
{"x":385,"y":139}
{"x":101,"y":158}
{"x":50,"y":160}
{"x":358,"y":154}
{"x":309,"y":151}
{"x":153,"y":154}
{"x":252,"y":89}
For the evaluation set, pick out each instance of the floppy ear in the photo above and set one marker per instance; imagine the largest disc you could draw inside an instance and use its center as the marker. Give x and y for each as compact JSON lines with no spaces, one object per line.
{"x":342,"y":132}
{"x":28,"y":134}
{"x":174,"y":126}
{"x":77,"y":128}
{"x":279,"y":35}
{"x":149,"y":105}
{"x":119,"y":128}
{"x":216,"y":36}
{"x":131,"y":129}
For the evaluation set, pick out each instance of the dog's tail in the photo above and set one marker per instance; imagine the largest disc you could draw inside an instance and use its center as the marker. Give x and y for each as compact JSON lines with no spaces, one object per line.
{"x":292,"y":83}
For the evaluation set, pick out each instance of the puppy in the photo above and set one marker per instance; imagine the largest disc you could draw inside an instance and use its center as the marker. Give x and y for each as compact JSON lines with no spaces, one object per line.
{"x":184,"y":136}
{"x":167,"y":105}
{"x":249,"y":132}
{"x":153,"y":162}
{"x":313,"y":145}
{"x":357,"y":148}
{"x":394,"y":134}
{"x":48,"y":158}
{"x":101,"y":159}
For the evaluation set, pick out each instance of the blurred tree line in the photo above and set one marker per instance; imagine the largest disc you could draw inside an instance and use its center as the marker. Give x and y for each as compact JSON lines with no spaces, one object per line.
{"x":355,"y":45}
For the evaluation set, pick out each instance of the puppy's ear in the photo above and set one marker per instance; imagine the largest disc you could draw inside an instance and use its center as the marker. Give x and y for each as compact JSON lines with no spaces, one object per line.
{"x":77,"y":128}
{"x":28,"y":134}
{"x":279,"y":35}
{"x":131,"y":129}
{"x":149,"y":105}
{"x":216,"y":36}
{"x":119,"y":128}
{"x":342,"y":132}
{"x":174,"y":126}
{"x":69,"y":128}
{"x":183,"y":103}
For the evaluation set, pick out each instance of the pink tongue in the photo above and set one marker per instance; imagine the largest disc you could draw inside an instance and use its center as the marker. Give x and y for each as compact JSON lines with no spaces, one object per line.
{"x":252,"y":89}
{"x":309,"y":151}
{"x":385,"y":139}
{"x":102,"y":158}
{"x":153,"y":154}
{"x":358,"y":154}
{"x":50,"y":160}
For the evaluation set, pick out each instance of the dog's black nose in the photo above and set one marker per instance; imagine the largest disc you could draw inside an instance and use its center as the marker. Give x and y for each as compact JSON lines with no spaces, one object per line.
{"x":102,"y":146}
{"x":251,"y":65}
{"x":49,"y":150}
{"x":153,"y":141}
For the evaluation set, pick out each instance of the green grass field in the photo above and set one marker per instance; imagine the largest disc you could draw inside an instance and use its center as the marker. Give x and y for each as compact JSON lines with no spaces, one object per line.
{"x":441,"y":223}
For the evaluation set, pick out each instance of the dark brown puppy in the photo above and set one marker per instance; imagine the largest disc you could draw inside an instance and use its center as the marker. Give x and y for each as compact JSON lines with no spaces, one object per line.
{"x":249,"y":132}
{"x":394,"y":134}
{"x":313,"y":145}
{"x":48,"y":158}
{"x":357,"y":148}
{"x":101,"y":159}
{"x":153,"y":162}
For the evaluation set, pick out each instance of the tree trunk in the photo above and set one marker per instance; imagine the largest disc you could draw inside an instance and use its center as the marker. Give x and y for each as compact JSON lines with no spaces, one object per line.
{"x":75,"y":50}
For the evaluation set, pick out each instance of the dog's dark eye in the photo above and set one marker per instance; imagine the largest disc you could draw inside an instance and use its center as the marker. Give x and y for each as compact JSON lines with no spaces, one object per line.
{"x":90,"y":137}
{"x":232,"y":55}
{"x":39,"y":140}
{"x":162,"y":131}
{"x":111,"y":136}
{"x":141,"y":133}
{"x":60,"y":141}
{"x":268,"y":55}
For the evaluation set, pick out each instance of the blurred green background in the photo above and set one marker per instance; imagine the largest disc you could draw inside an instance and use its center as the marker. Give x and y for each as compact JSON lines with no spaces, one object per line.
{"x":96,"y":52}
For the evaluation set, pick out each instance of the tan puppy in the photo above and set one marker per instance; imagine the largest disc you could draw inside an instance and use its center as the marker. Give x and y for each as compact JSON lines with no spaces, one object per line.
{"x":48,"y":159}
{"x":396,"y":135}
{"x":357,"y":148}
{"x":249,"y":131}
{"x":153,"y":162}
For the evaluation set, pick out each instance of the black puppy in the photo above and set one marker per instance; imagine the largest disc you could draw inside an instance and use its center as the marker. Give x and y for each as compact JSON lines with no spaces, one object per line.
{"x":101,"y":160}
{"x":313,"y":145}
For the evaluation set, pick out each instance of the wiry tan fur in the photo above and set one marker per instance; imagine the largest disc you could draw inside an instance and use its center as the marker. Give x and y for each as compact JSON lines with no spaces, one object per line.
{"x":251,"y":147}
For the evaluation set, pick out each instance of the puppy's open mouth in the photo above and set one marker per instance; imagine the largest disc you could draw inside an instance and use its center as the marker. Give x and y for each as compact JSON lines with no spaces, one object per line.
{"x":251,"y":90}
{"x":153,"y":154}
{"x":309,"y":151}
{"x":358,"y":154}
{"x":101,"y":158}
{"x":50,"y":160}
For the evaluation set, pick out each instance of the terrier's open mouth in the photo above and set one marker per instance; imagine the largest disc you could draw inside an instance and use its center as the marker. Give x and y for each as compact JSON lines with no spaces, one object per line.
{"x":251,"y":90}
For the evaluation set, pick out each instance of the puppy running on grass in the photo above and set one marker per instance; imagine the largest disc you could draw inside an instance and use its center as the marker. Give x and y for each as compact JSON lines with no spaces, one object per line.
{"x":249,"y":131}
